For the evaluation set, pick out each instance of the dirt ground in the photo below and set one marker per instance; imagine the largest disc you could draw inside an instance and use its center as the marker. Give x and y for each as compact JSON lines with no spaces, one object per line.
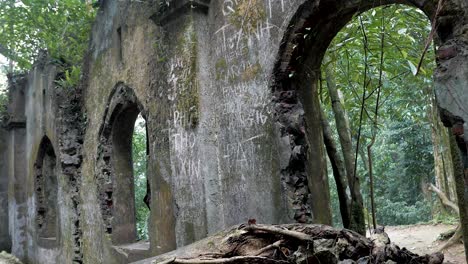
{"x":422,"y":239}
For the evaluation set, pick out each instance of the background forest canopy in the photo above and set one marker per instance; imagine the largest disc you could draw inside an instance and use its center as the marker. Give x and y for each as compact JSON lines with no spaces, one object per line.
{"x":373,"y":64}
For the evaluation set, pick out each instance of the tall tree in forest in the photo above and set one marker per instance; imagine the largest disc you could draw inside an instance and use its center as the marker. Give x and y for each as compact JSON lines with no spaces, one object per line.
{"x":339,"y":171}
{"x":354,"y":217}
{"x":443,"y":166}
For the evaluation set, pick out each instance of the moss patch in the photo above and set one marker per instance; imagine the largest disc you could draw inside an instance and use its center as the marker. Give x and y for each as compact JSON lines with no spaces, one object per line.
{"x":251,"y":72}
{"x":247,"y":15}
{"x":221,"y":68}
{"x":187,"y":93}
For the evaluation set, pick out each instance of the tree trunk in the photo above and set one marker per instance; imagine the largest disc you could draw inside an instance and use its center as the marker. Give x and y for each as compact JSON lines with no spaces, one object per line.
{"x":443,"y":166}
{"x":357,"y":222}
{"x":371,"y":183}
{"x":339,"y":171}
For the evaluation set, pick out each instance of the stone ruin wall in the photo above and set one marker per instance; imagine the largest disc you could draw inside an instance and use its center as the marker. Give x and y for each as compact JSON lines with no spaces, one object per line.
{"x":227,"y":89}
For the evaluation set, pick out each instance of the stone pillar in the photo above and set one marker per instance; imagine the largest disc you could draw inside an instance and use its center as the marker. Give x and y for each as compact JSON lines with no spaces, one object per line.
{"x":17,"y":168}
{"x":186,"y":223}
{"x":5,"y":240}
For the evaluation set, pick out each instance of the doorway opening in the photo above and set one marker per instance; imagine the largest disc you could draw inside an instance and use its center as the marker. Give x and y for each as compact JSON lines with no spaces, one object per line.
{"x":123,"y":186}
{"x":46,"y":189}
{"x":141,"y":183}
{"x":377,"y":96}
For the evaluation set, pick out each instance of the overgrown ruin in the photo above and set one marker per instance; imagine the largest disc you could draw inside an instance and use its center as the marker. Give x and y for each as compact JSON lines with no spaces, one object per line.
{"x":227,"y":89}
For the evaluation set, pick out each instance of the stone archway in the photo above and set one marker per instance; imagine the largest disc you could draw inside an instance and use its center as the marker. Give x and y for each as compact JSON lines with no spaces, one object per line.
{"x":46,"y":192}
{"x":298,"y":63}
{"x":115,"y":179}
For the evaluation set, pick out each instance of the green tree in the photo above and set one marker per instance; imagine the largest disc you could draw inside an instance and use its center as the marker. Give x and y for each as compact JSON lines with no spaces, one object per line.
{"x":60,"y":27}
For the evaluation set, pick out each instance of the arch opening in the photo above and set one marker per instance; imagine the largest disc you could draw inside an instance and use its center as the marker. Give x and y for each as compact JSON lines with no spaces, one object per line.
{"x":140,"y":151}
{"x":371,"y":64}
{"x":123,"y":185}
{"x":297,"y":82}
{"x":46,"y":190}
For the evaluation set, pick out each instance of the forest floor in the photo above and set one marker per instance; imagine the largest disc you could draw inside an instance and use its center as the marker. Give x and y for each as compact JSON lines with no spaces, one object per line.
{"x":422,"y":239}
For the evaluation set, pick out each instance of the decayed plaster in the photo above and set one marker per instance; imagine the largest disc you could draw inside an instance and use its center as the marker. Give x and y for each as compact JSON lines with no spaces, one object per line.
{"x":228,"y":89}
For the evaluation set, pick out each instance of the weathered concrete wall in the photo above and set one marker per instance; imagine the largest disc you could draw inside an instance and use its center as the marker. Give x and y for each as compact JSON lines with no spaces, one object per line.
{"x":228,"y":90}
{"x":37,"y":112}
{"x":5,"y":240}
{"x":17,"y":208}
{"x":215,"y":155}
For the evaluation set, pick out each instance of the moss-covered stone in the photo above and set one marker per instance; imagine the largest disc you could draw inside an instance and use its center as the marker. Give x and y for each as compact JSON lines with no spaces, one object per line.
{"x":220,"y":68}
{"x":251,"y":72}
{"x":187,"y":101}
{"x":247,"y":15}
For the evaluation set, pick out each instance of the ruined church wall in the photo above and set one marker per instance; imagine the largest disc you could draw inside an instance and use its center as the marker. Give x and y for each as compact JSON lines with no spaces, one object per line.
{"x":41,"y":120}
{"x":216,"y":149}
{"x":36,"y":116}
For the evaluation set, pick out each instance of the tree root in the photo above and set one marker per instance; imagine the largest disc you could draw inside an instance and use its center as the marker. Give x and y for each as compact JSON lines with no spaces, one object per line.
{"x":278,"y":231}
{"x":445,"y":200}
{"x":275,"y":245}
{"x":292,"y":244}
{"x":238,"y":259}
{"x":456,"y":238}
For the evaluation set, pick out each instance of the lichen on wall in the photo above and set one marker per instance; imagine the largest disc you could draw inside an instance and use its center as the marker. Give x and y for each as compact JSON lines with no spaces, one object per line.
{"x":183,"y":81}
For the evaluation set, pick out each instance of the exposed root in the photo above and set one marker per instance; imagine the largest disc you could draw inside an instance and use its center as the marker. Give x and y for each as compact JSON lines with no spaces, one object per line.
{"x":294,"y":244}
{"x":278,"y":231}
{"x":445,"y":200}
{"x":275,"y":245}
{"x":238,"y":259}
{"x":456,"y":238}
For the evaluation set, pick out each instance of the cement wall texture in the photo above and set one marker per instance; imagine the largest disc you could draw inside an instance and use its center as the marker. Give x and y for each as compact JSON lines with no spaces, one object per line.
{"x":228,"y":91}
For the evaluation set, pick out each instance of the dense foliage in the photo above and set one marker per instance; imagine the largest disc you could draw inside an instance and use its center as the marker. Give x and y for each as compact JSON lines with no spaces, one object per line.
{"x":402,"y":159}
{"x":29,"y":27}
{"x":3,"y":95}
{"x":139,"y":155}
{"x":60,"y":27}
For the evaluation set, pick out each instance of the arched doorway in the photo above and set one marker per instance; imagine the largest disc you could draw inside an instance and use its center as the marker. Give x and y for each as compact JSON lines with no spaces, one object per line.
{"x":46,"y":189}
{"x":117,"y":173}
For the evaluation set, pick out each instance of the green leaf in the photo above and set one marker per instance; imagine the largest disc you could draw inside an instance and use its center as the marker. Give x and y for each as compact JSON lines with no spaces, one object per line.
{"x":413,"y":68}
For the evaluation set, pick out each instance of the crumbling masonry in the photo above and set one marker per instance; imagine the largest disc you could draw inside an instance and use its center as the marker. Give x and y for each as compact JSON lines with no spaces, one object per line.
{"x":228,"y":91}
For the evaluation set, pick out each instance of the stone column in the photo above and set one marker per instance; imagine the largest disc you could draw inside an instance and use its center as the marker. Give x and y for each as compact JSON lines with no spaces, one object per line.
{"x":5,"y":240}
{"x":17,"y":168}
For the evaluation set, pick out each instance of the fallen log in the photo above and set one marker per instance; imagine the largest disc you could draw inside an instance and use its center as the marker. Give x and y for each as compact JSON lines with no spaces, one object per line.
{"x":292,"y":244}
